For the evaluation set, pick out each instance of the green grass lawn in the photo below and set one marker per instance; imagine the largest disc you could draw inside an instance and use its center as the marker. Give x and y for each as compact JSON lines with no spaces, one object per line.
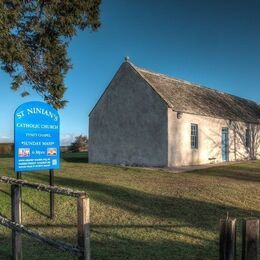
{"x":136,"y":213}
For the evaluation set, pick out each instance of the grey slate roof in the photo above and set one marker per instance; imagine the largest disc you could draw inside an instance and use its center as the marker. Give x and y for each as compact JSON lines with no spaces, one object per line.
{"x":186,"y":97}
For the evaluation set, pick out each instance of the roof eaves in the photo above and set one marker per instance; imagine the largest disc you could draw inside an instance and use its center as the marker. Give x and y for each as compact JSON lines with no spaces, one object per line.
{"x":191,"y":83}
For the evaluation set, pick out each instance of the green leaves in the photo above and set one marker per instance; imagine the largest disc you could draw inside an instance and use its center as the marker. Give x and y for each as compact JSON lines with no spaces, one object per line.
{"x":25,"y":93}
{"x":80,"y":144}
{"x":17,"y":82}
{"x":34,"y":37}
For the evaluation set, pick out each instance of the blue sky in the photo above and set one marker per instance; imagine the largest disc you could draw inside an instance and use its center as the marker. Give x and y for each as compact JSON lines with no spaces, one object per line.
{"x":215,"y":43}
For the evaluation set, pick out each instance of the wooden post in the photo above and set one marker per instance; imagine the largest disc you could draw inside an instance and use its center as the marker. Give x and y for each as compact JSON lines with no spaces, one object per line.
{"x":84,"y":227}
{"x":51,"y":181}
{"x":16,"y":217}
{"x":250,"y":239}
{"x":19,"y":177}
{"x":227,"y":239}
{"x":222,"y":239}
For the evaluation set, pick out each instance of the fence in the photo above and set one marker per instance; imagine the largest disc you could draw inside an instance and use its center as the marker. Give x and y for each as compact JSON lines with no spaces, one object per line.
{"x":82,"y":250}
{"x":228,"y":239}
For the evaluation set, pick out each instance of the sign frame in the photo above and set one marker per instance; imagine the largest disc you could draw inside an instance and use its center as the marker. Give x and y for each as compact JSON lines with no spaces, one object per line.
{"x":36,"y":137}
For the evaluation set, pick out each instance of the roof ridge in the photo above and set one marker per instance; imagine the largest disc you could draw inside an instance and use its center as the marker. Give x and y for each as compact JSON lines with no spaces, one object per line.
{"x":191,"y":83}
{"x":163,"y":75}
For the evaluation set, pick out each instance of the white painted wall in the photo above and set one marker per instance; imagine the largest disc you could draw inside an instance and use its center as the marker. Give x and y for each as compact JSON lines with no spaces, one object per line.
{"x":180,"y":152}
{"x":129,"y":123}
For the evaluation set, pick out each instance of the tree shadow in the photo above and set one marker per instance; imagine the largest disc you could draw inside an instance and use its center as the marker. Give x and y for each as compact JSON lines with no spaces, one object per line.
{"x":5,"y":254}
{"x":95,"y":227}
{"x":75,"y":157}
{"x":27,"y":204}
{"x":113,"y":246}
{"x":231,"y":172}
{"x":107,"y":245}
{"x":199,"y":214}
{"x":34,"y":249}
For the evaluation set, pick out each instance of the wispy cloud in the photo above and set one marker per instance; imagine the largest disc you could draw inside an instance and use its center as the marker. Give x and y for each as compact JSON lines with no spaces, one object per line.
{"x":67,"y":139}
{"x":6,"y":139}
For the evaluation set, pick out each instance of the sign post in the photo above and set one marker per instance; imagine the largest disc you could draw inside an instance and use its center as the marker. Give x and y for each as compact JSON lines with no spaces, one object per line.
{"x":37,"y":141}
{"x":51,"y":173}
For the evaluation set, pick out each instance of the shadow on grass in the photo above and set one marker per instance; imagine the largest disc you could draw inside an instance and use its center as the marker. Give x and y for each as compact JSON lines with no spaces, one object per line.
{"x":95,"y":228}
{"x":34,"y":249}
{"x":114,"y":246}
{"x":5,"y":252}
{"x":199,"y":214}
{"x":6,"y":155}
{"x":110,"y":245}
{"x":232,"y":172}
{"x":75,"y":157}
{"x":28,"y":205}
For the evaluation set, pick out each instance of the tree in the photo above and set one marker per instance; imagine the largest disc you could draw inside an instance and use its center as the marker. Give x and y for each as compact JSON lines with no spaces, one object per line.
{"x":34,"y":37}
{"x":79,"y":144}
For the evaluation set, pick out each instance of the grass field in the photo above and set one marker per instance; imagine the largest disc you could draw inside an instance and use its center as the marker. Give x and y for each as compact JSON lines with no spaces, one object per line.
{"x":136,"y":213}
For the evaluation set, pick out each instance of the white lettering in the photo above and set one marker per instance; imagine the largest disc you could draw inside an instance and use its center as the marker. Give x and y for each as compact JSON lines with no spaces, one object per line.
{"x":37,"y":110}
{"x":20,"y":114}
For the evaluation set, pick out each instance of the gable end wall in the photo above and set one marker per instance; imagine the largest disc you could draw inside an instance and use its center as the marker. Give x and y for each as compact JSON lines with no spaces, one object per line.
{"x":129,"y":123}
